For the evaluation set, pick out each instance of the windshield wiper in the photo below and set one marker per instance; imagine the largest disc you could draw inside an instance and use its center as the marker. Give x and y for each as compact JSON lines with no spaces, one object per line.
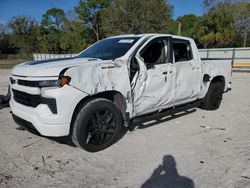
{"x":94,"y":59}
{"x":90,"y":58}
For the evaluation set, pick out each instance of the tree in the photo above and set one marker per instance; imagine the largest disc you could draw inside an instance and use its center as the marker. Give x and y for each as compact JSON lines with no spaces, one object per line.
{"x":216,"y":28}
{"x":137,"y":16}
{"x":49,"y":40}
{"x":211,"y":4}
{"x":188,"y":24}
{"x":50,"y":34}
{"x":23,"y":34}
{"x":75,"y":35}
{"x":53,"y":18}
{"x":242,"y":20}
{"x":5,"y":45}
{"x":240,"y":15}
{"x":89,"y":11}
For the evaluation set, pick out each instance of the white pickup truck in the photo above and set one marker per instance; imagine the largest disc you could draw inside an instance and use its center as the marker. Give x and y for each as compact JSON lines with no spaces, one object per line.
{"x":91,"y":96}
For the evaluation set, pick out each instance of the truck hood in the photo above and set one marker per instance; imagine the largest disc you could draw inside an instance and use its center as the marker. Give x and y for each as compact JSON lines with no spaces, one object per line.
{"x":52,"y":67}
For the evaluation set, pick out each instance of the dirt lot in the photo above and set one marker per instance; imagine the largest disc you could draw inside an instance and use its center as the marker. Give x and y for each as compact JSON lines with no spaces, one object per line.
{"x":193,"y":149}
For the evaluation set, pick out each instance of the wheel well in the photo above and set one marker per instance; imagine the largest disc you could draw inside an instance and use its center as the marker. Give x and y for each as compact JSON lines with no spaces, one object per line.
{"x":219,"y":79}
{"x":116,"y":97}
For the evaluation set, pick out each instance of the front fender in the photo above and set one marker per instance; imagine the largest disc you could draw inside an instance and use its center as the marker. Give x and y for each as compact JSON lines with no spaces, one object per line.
{"x":101,"y":77}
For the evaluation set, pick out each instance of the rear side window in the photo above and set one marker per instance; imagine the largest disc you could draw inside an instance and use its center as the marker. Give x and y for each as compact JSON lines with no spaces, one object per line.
{"x":182,"y":50}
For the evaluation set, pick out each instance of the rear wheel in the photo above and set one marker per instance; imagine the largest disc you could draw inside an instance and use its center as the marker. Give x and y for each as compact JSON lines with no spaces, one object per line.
{"x":97,"y":125}
{"x":213,"y":97}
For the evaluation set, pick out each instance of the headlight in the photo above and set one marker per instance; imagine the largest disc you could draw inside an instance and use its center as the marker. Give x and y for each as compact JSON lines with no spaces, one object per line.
{"x":62,"y":80}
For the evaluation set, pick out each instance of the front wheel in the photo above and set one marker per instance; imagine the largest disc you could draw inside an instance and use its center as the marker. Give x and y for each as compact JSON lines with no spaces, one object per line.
{"x":213,"y":97}
{"x":97,"y":125}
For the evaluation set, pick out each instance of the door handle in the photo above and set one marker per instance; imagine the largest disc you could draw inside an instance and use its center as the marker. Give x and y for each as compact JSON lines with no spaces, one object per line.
{"x":166,"y":72}
{"x":195,"y":68}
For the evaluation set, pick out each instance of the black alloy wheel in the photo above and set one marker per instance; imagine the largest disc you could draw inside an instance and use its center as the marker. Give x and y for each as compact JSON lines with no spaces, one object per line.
{"x":100,"y":127}
{"x":97,"y":125}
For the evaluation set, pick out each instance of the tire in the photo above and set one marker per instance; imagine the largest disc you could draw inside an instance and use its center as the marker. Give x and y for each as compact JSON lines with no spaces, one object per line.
{"x":97,"y":125}
{"x":213,"y":98}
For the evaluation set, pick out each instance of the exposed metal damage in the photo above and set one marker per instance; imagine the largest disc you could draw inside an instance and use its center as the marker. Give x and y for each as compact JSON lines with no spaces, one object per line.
{"x":108,"y":76}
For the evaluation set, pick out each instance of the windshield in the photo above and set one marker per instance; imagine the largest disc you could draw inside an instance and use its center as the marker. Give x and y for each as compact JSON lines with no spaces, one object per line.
{"x":109,"y":49}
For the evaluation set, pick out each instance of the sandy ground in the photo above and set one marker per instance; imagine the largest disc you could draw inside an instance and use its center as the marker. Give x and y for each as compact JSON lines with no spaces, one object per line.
{"x":193,"y":149}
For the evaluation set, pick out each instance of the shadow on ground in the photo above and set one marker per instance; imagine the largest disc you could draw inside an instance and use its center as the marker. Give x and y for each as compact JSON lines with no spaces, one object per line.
{"x":63,"y":140}
{"x":166,"y":175}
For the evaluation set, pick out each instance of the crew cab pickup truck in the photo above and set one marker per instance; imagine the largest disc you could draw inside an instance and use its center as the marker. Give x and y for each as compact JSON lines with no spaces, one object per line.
{"x":93,"y":95}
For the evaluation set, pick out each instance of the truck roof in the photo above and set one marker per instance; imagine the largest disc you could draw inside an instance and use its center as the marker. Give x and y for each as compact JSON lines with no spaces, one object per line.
{"x":151,"y":34}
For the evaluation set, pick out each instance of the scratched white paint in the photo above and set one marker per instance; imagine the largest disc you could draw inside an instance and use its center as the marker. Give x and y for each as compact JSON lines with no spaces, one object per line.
{"x":100,"y":77}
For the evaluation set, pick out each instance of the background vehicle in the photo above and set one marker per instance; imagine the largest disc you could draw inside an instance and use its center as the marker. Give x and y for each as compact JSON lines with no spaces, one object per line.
{"x":90,"y":97}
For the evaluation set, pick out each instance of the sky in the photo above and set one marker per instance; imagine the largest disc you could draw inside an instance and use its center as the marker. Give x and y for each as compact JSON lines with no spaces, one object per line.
{"x":36,"y":8}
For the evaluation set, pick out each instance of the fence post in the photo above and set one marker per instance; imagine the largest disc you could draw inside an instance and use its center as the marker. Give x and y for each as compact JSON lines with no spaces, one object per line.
{"x":233,"y":56}
{"x":207,"y":53}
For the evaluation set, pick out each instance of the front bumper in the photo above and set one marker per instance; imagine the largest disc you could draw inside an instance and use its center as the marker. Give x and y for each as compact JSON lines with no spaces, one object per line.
{"x":41,"y":116}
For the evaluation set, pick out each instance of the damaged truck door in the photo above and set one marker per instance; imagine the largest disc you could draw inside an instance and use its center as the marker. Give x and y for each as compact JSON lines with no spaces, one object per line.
{"x":154,"y":87}
{"x":188,"y":72}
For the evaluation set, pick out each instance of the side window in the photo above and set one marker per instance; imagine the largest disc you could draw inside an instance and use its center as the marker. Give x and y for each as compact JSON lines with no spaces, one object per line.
{"x":182,"y":50}
{"x":155,"y":52}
